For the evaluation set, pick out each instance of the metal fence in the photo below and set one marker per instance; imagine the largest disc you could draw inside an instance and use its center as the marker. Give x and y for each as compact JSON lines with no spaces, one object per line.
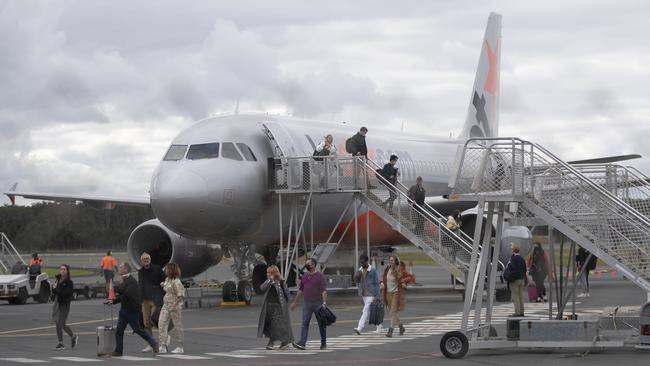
{"x":524,"y":170}
{"x":318,"y":174}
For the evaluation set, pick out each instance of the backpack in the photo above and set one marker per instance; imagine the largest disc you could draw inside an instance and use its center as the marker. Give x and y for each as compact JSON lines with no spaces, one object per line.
{"x":350,"y":147}
{"x":509,"y":273}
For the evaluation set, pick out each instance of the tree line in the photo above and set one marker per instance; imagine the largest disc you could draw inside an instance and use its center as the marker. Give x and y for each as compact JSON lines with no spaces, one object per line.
{"x":70,"y":227}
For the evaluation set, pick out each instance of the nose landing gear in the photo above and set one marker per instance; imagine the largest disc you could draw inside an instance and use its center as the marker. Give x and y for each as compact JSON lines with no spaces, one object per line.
{"x":243,"y":256}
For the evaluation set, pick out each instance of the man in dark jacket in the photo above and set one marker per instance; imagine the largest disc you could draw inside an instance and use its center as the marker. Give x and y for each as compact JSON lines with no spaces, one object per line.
{"x":356,"y":145}
{"x":417,"y":194}
{"x":516,"y":277}
{"x":389,"y":172}
{"x":149,"y":277}
{"x":129,"y":295}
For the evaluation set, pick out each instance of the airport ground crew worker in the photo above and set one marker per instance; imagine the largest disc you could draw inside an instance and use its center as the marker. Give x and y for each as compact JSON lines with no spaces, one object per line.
{"x":35,"y":260}
{"x":150,"y":276}
{"x":109,"y":265}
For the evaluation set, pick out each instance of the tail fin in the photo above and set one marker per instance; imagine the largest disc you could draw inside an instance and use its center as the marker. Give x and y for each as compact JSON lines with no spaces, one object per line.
{"x":483,"y":113}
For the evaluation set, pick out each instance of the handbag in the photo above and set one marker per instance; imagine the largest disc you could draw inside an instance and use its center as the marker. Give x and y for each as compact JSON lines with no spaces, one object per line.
{"x":376,"y":313}
{"x":325,"y":316}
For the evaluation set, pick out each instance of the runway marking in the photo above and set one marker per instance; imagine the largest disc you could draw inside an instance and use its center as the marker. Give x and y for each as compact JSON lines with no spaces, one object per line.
{"x":233,"y":355}
{"x":23,"y":360}
{"x":76,"y":359}
{"x":134,"y":358}
{"x":184,"y":357}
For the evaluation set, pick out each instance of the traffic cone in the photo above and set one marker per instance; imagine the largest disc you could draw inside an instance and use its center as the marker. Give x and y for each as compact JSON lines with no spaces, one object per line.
{"x":111,"y":290}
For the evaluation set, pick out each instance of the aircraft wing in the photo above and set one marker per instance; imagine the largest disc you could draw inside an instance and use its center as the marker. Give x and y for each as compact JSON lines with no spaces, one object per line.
{"x":97,"y":201}
{"x":606,"y":159}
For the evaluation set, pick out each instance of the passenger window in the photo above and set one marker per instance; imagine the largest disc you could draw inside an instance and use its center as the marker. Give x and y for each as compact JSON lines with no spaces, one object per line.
{"x":246,"y":151}
{"x":229,"y":151}
{"x":175,"y":152}
{"x":203,"y":151}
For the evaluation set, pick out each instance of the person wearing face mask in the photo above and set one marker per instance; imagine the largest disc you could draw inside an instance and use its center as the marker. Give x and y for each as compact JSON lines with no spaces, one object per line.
{"x":274,"y":321}
{"x":313,"y":287}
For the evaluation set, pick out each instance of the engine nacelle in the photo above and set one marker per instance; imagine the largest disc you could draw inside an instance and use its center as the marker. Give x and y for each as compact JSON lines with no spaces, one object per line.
{"x":165,"y":246}
{"x":519,"y":235}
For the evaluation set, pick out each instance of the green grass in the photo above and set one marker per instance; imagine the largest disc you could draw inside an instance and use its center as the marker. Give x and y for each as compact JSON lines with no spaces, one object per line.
{"x":53,"y":271}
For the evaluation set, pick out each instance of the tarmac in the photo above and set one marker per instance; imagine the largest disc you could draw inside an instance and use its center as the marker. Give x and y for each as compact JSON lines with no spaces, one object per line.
{"x":227,"y":335}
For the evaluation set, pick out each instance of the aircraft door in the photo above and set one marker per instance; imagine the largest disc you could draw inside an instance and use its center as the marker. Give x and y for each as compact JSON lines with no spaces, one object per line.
{"x":284,"y":145}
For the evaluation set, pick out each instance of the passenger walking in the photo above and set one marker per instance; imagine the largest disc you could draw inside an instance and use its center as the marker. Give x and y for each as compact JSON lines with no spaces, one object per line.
{"x":129,"y":296}
{"x":313,"y":287}
{"x":538,"y":268}
{"x":515,"y":275}
{"x":367,"y":280}
{"x":390,"y":173}
{"x":356,"y":145}
{"x":454,"y":221}
{"x":108,"y":265}
{"x":393,"y":292}
{"x":150,"y":276}
{"x":171,"y":308}
{"x":326,"y":147}
{"x":589,"y":264}
{"x":63,"y":289}
{"x":418,"y":194}
{"x":274,"y":321}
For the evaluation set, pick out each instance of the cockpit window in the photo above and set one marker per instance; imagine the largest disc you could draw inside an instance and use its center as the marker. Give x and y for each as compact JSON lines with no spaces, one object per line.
{"x":175,"y":152}
{"x":229,"y":151}
{"x":203,"y":151}
{"x":248,"y":153}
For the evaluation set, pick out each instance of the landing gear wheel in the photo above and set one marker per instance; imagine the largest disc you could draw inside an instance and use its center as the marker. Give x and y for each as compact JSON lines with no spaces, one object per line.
{"x":245,"y":292}
{"x":454,"y":344}
{"x":229,"y":292}
{"x":259,"y":276}
{"x":44,"y":293}
{"x":22,"y":296}
{"x":86,"y":292}
{"x":75,"y":295}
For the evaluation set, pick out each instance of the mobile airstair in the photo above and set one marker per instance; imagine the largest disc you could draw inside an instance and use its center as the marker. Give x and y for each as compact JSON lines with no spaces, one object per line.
{"x":9,"y":256}
{"x":421,"y":225}
{"x":601,"y":208}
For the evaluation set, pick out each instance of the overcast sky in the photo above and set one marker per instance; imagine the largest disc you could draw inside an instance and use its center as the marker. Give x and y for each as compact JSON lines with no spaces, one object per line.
{"x":92,"y":92}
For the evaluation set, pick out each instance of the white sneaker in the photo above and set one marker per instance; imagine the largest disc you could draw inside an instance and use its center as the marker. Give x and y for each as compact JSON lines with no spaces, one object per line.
{"x":178,"y":350}
{"x":147,"y":349}
{"x":380,"y":329}
{"x":169,"y":339}
{"x":162,"y":349}
{"x":588,"y":295}
{"x":582,"y":295}
{"x":357,"y":330}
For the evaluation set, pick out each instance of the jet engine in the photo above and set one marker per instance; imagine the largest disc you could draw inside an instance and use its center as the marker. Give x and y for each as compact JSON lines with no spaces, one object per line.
{"x":165,"y":246}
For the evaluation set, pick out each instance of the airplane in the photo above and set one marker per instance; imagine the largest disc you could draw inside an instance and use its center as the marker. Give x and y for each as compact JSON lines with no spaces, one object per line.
{"x":210,"y":192}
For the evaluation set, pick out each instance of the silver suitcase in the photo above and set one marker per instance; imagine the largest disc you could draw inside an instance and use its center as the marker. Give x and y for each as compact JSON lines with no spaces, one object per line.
{"x":106,"y":336}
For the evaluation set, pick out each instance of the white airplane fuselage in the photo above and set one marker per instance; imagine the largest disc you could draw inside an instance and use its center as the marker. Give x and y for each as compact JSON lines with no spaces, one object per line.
{"x":221,"y":200}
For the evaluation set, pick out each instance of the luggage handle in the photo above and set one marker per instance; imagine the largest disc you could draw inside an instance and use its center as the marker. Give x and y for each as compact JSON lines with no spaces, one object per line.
{"x":105,"y":318}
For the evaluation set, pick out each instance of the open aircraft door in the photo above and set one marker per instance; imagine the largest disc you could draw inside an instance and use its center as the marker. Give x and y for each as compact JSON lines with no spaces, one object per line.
{"x":285,"y":145}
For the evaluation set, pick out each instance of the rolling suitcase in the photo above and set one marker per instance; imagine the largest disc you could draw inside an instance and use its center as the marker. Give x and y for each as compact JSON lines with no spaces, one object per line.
{"x":532,"y":292}
{"x":376,"y":313}
{"x":106,"y":336}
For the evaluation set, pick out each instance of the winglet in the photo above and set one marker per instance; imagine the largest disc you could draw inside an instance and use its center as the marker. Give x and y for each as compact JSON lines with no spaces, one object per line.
{"x":12,"y":198}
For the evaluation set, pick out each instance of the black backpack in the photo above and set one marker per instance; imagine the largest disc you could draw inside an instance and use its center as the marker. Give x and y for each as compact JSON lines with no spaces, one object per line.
{"x":350,"y":146}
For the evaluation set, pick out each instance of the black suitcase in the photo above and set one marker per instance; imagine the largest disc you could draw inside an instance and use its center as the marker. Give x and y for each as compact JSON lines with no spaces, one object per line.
{"x":376,"y":313}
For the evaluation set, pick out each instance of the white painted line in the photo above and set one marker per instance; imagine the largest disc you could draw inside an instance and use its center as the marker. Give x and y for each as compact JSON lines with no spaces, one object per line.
{"x":23,"y":360}
{"x":232,"y":355}
{"x":184,"y":357}
{"x":134,"y":358}
{"x":76,"y":359}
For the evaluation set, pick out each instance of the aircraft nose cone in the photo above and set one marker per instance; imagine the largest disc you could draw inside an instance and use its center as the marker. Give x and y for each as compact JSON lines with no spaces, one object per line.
{"x":178,"y":184}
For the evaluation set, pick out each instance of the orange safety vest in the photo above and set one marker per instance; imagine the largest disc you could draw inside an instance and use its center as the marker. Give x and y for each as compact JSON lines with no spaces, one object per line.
{"x":109,"y":262}
{"x":34,"y":261}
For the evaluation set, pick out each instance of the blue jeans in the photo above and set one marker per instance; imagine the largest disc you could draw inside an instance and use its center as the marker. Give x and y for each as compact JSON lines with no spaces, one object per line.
{"x":309,"y":308}
{"x":131,"y":319}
